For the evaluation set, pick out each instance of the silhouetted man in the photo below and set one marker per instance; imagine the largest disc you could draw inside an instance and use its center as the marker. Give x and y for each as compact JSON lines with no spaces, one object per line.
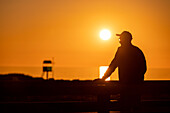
{"x":131,"y":65}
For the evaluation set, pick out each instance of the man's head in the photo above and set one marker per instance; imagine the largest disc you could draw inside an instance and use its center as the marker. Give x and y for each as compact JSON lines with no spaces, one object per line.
{"x":125,"y":38}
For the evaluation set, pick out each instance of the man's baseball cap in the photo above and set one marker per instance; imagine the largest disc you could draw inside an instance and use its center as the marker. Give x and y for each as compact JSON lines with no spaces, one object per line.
{"x":125,"y":34}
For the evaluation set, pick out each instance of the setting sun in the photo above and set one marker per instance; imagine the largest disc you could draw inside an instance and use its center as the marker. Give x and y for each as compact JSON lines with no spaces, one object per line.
{"x":105,"y":34}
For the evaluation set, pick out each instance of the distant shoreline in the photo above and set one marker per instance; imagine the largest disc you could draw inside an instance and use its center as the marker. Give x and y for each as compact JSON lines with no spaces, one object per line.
{"x":82,"y":73}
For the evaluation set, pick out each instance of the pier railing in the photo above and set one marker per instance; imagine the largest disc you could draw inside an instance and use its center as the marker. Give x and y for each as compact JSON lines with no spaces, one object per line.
{"x":65,"y":96}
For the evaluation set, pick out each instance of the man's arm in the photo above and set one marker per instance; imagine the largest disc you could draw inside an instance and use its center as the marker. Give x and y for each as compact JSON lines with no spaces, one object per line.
{"x":113,"y":65}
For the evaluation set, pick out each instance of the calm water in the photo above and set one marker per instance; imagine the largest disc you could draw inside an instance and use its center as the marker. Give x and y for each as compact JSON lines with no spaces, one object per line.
{"x":82,"y":73}
{"x":66,"y":73}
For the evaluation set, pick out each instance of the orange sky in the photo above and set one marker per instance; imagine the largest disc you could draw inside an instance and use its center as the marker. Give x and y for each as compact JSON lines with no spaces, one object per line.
{"x":68,"y":30}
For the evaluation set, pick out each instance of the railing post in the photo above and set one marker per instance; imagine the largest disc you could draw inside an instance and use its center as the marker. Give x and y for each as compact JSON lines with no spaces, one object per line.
{"x":103,"y":102}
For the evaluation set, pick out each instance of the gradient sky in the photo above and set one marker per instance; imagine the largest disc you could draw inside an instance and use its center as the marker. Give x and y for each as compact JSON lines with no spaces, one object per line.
{"x":68,"y":30}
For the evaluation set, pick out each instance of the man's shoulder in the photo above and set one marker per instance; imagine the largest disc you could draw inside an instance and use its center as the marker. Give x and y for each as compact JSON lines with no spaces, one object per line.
{"x":129,"y":47}
{"x":137,"y":48}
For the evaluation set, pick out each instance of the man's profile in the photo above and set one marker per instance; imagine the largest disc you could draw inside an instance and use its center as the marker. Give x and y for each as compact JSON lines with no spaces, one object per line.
{"x":131,"y":65}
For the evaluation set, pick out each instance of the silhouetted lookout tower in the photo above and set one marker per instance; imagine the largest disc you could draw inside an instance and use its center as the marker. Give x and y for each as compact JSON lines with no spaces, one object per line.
{"x":47,"y":67}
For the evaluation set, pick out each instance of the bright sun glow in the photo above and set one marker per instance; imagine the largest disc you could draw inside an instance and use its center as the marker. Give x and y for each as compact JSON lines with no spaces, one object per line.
{"x":102,"y":70}
{"x":105,"y":34}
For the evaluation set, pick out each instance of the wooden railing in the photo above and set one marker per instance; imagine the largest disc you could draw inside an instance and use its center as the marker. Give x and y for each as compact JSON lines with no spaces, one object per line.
{"x":63,"y":96}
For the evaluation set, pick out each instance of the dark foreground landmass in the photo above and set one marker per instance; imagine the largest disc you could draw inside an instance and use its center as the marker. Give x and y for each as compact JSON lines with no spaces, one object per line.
{"x":22,"y":93}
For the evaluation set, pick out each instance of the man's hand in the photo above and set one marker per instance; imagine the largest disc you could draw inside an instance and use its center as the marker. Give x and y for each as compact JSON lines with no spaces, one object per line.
{"x":99,"y":80}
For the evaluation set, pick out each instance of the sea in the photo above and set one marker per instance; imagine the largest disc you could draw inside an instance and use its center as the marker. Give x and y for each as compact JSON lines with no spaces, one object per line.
{"x":81,"y":73}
